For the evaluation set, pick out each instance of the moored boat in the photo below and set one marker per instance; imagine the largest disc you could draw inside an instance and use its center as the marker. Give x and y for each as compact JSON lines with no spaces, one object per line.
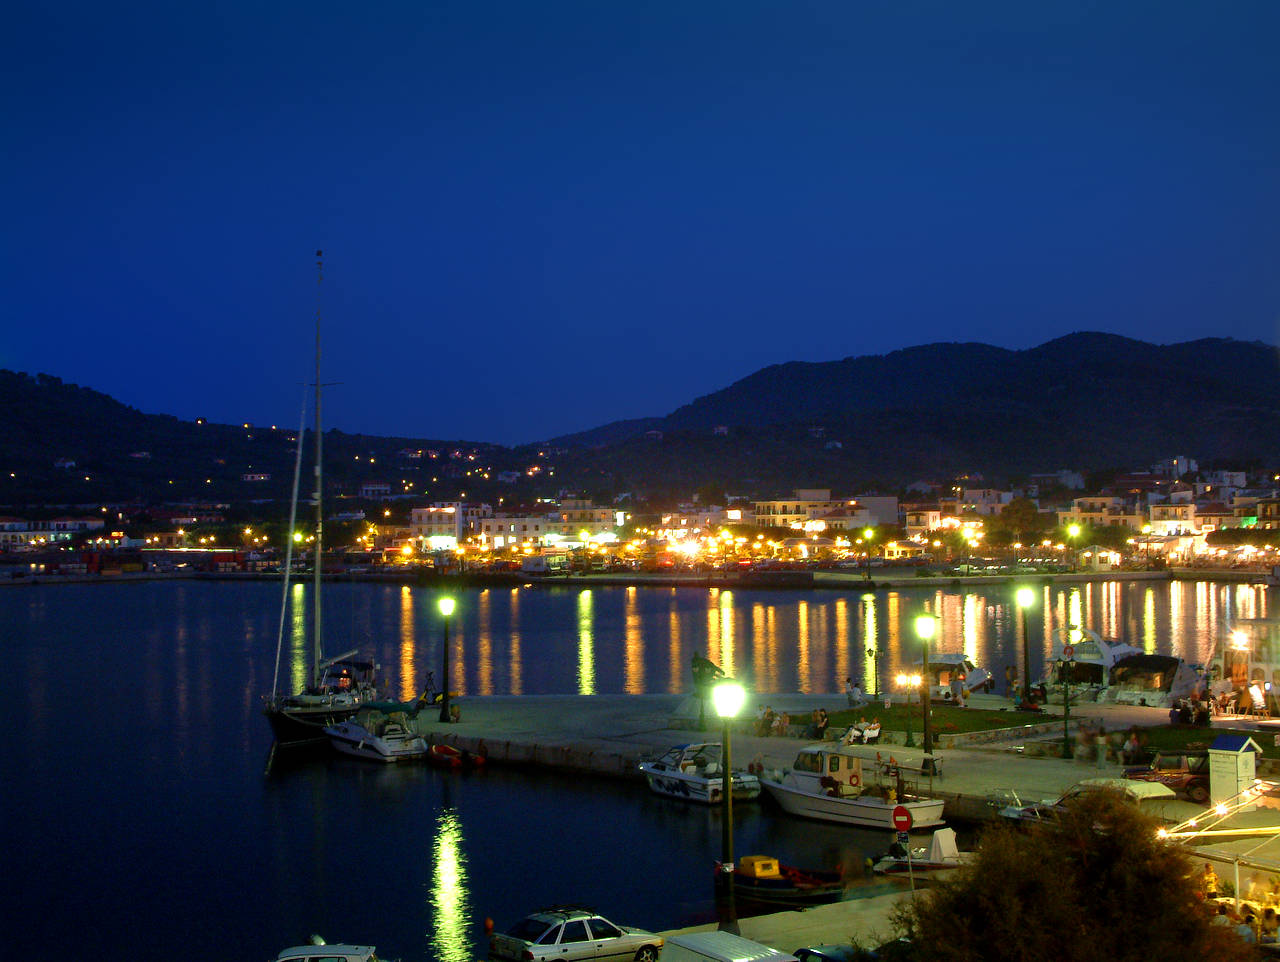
{"x":1159,"y":681}
{"x":446,"y":756}
{"x":337,"y":686}
{"x":694,"y":773}
{"x":1087,"y":672}
{"x":763,"y":879}
{"x":840,"y":783}
{"x":941,"y":853}
{"x":945,"y":668}
{"x":378,"y":737}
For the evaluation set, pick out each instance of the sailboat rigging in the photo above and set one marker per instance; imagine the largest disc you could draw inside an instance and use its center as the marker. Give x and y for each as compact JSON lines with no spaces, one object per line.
{"x":337,"y":686}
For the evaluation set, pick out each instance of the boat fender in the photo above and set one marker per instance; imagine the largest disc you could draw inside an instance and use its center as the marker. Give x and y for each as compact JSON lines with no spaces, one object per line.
{"x":488,"y":926}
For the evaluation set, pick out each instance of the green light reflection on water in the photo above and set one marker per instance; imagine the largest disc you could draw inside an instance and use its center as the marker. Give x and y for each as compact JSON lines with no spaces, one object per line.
{"x":299,"y":662}
{"x":586,"y":645}
{"x":449,"y":897}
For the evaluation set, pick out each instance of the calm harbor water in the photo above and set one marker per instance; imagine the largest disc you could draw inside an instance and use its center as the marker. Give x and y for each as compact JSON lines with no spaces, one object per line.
{"x":137,"y":820}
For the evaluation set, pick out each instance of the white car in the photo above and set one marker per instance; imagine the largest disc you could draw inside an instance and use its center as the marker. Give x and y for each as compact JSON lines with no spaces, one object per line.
{"x":569,"y":934}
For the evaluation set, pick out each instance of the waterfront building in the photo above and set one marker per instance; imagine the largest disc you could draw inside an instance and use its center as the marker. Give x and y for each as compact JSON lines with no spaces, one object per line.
{"x":1102,"y":511}
{"x":24,"y":531}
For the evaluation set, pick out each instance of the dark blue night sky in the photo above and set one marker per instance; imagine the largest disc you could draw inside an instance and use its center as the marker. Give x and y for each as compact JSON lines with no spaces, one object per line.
{"x":539,"y":217}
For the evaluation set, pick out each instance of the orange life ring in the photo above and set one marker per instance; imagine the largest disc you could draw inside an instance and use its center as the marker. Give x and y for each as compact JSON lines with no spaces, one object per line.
{"x":855,"y":779}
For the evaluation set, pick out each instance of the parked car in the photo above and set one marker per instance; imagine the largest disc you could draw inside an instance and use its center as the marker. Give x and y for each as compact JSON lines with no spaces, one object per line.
{"x":566,"y":933}
{"x":1186,"y":772}
{"x":1147,"y":795}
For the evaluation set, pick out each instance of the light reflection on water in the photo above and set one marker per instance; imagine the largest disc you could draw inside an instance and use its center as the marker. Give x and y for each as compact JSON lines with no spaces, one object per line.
{"x":450,"y":899}
{"x":173,"y":761}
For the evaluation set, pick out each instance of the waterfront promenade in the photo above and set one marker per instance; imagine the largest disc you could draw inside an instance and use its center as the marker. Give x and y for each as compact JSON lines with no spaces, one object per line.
{"x":606,"y":736}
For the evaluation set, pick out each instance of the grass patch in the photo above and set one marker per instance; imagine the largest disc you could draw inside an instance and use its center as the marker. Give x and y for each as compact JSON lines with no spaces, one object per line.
{"x":1177,"y":737}
{"x":947,"y":719}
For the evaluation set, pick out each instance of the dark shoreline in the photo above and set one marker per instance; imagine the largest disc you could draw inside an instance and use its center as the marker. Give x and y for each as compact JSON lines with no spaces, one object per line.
{"x":773,"y":580}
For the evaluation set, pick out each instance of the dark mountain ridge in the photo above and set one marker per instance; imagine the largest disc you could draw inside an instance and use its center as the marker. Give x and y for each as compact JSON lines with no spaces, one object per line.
{"x":1086,"y":401}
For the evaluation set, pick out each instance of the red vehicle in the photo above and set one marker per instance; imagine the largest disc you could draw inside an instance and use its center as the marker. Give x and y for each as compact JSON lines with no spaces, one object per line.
{"x":1186,"y":772}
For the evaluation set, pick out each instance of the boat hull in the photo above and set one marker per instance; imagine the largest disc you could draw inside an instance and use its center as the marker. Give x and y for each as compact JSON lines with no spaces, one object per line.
{"x":693,"y":788}
{"x":794,"y":888}
{"x":865,"y":810}
{"x":305,"y":724}
{"x":358,"y":742}
{"x":446,"y":756}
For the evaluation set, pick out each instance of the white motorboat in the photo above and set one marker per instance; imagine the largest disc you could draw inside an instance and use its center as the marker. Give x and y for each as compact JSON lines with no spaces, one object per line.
{"x":835,"y":782}
{"x":943,"y":669}
{"x":378,"y":737}
{"x":1087,"y":672}
{"x":1160,"y":681}
{"x":694,"y":772}
{"x":942,"y":853}
{"x":331,"y":953}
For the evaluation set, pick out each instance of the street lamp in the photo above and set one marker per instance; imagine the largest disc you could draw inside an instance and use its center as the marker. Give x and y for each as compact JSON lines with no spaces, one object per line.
{"x":1073,"y":532}
{"x":926,"y":627}
{"x":1065,"y":667}
{"x":875,"y":669}
{"x":1026,"y":597}
{"x":446,"y":606}
{"x":727,"y":696}
{"x":909,"y":682}
{"x":867,"y":535}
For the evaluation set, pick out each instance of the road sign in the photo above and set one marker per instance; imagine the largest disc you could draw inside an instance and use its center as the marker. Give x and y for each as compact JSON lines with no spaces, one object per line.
{"x":901,"y":818}
{"x":1068,"y":652}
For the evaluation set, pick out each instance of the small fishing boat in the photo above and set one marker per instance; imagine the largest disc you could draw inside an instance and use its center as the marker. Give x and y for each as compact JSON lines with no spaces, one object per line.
{"x":835,"y":782}
{"x":694,"y":773}
{"x":941,"y":854}
{"x":446,"y":756}
{"x":378,"y":737}
{"x":762,"y":878}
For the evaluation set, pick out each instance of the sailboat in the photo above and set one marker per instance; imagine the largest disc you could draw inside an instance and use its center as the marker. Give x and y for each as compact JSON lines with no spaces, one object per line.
{"x":338,"y":686}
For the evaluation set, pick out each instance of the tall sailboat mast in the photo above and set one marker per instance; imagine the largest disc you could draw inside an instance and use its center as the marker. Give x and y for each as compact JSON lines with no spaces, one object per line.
{"x":318,"y":647}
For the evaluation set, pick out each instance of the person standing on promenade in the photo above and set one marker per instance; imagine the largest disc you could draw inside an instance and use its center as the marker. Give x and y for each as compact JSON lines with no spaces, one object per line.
{"x":853,"y":694}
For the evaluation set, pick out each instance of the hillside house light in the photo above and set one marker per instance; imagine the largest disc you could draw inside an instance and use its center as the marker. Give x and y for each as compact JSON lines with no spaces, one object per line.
{"x":728,"y":697}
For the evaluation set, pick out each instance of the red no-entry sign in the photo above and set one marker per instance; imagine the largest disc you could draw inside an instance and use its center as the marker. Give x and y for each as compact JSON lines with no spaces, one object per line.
{"x":901,"y":818}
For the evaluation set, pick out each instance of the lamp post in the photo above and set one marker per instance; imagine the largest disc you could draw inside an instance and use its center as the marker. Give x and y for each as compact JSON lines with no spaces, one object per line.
{"x":1073,"y":532}
{"x":926,"y":627}
{"x":1064,"y":670}
{"x":1025,"y":598}
{"x":909,"y":682}
{"x":446,"y":606}
{"x":875,"y":670}
{"x":867,"y":535}
{"x":727,"y":696}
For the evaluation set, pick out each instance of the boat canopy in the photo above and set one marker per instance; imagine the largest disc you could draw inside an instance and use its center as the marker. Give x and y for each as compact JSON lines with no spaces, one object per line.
{"x":1152,"y":672}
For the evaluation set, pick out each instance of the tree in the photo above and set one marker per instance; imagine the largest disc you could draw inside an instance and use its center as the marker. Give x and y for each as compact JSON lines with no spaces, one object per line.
{"x":1099,"y":885}
{"x":1020,"y":522}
